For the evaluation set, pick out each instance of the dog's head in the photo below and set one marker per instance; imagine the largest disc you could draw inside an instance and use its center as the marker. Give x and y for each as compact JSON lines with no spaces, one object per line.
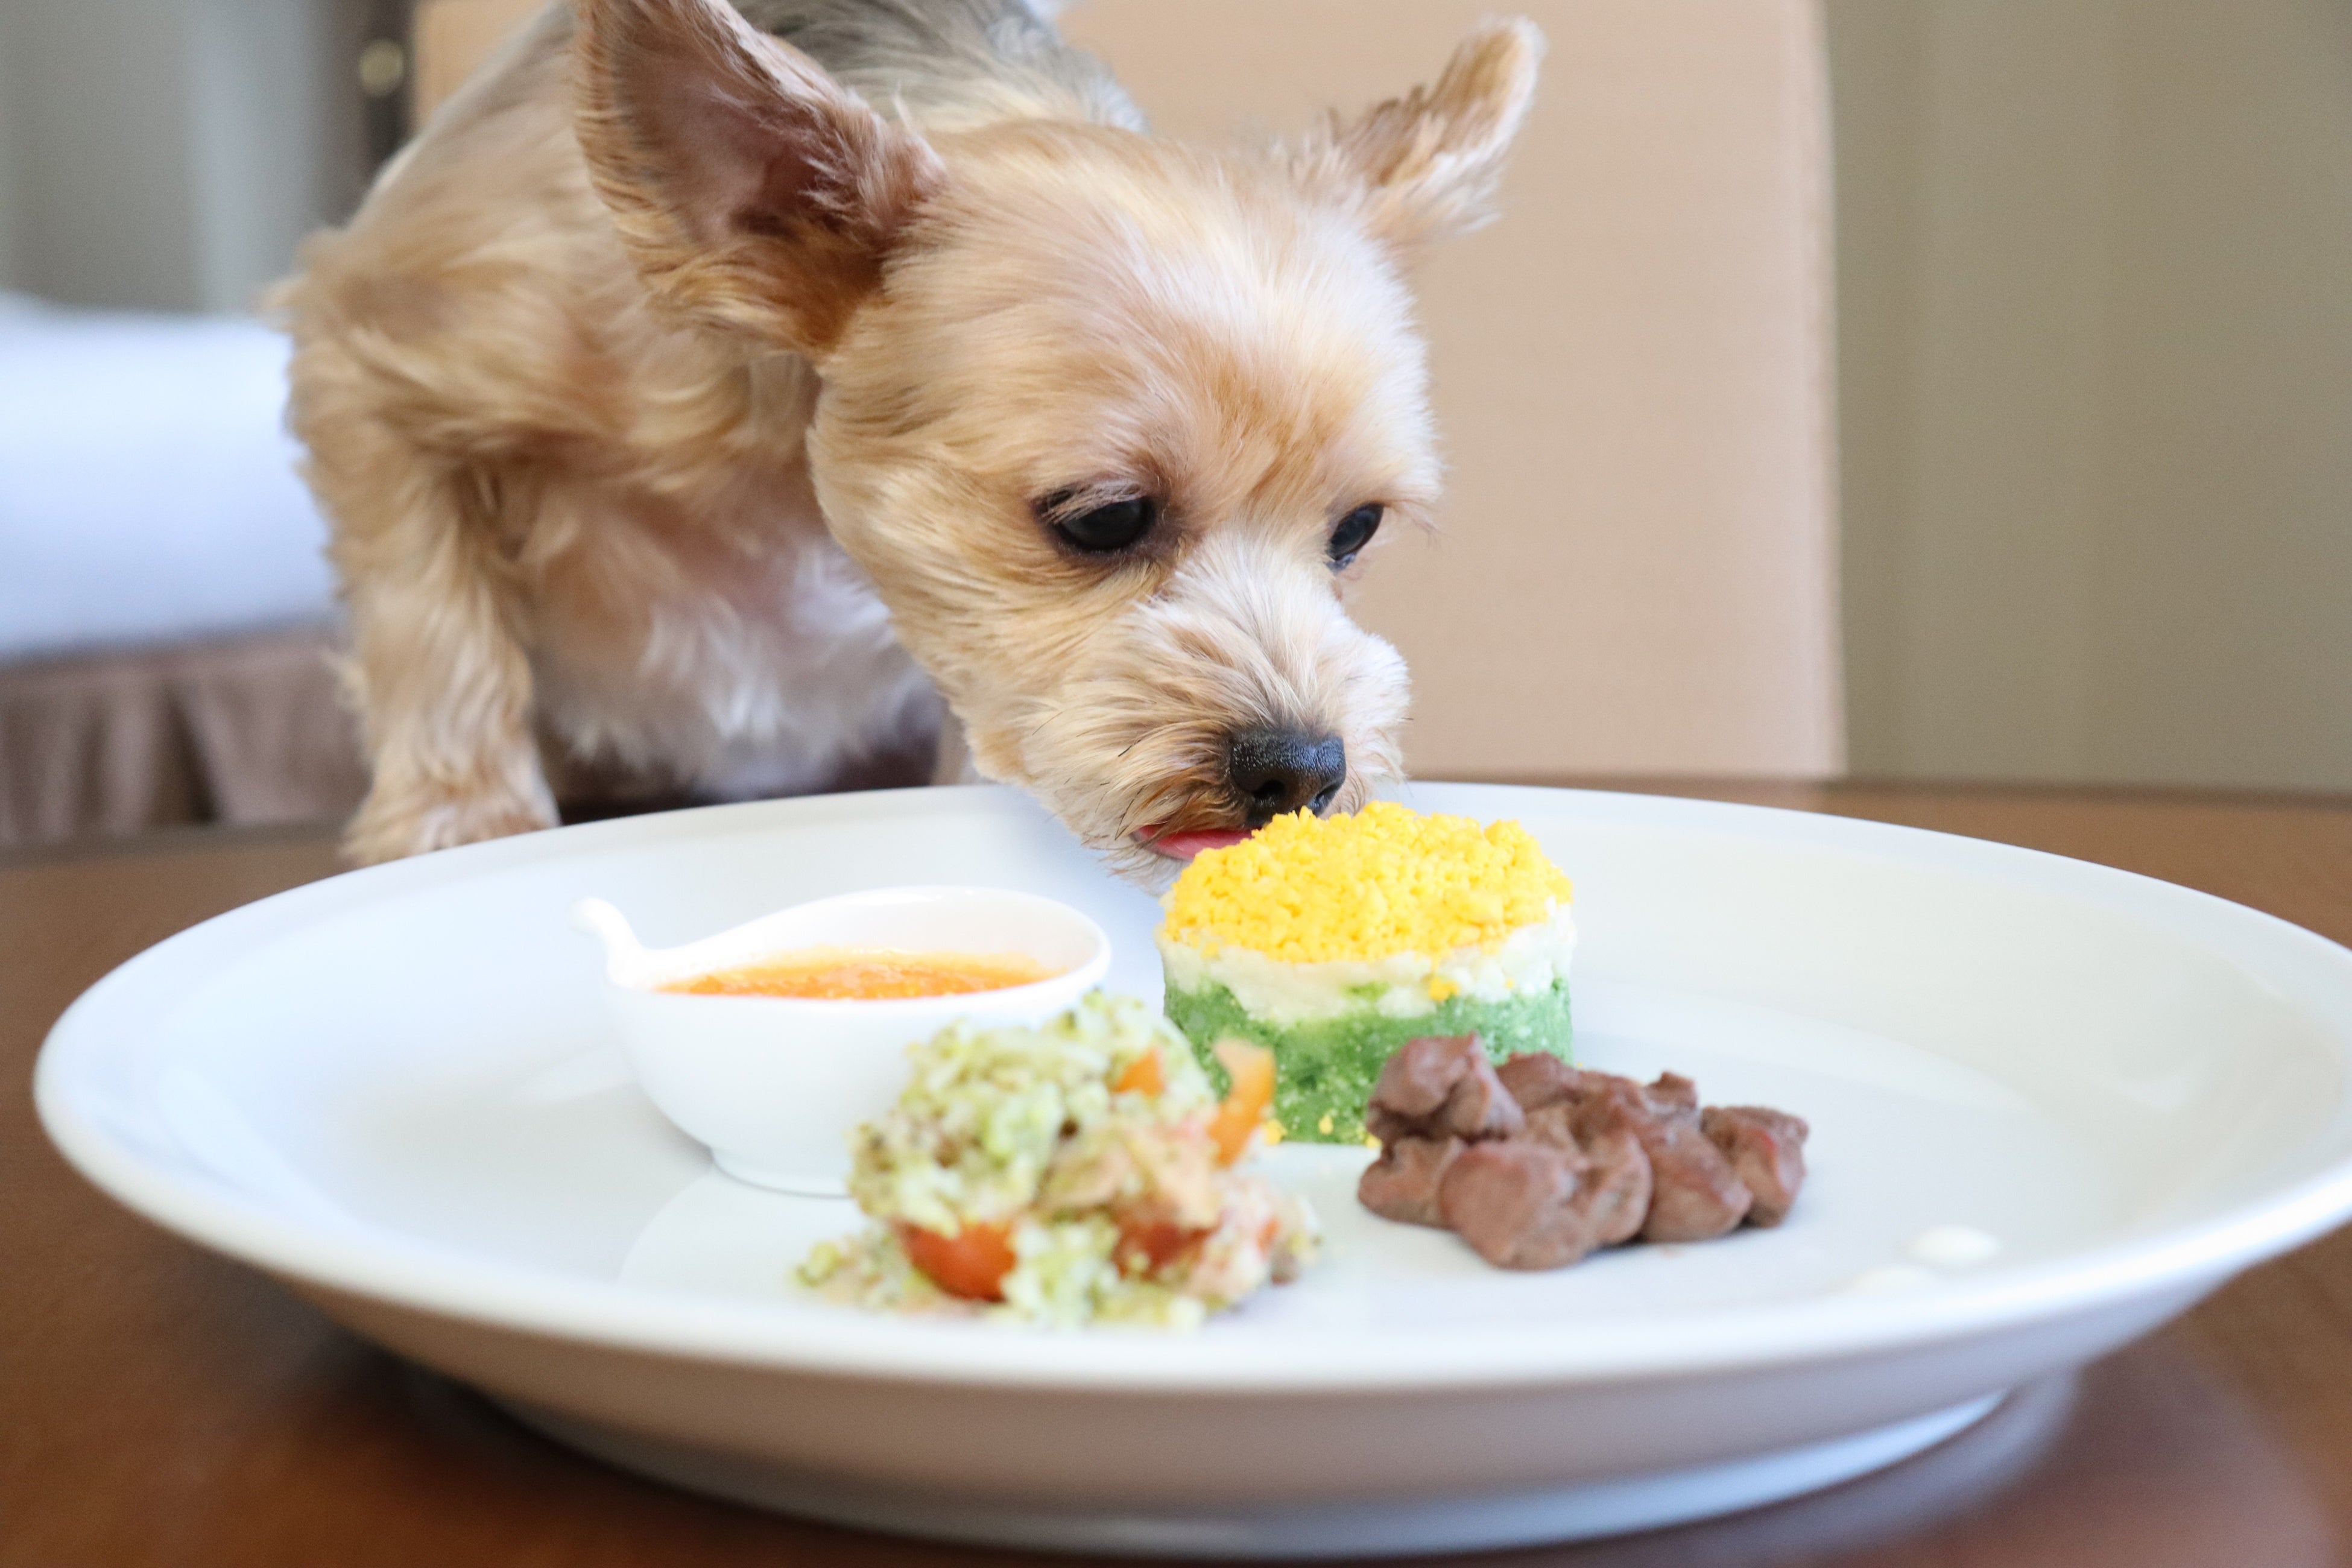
{"x":1109,"y":421}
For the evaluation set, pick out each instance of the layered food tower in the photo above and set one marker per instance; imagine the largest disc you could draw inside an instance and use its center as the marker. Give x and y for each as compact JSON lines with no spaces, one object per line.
{"x":1333,"y":940}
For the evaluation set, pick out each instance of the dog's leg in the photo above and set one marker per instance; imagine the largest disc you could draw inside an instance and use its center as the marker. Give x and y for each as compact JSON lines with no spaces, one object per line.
{"x":440,"y":681}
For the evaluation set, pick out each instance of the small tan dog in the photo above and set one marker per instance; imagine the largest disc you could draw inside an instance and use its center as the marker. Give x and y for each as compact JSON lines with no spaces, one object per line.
{"x":709,"y":388}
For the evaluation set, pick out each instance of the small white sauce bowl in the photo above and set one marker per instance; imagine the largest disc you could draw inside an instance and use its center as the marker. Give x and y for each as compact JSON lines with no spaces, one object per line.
{"x":773,"y":1085}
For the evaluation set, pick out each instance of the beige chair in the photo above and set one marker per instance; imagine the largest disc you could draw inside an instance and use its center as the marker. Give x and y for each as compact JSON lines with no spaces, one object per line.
{"x":1637,"y":572}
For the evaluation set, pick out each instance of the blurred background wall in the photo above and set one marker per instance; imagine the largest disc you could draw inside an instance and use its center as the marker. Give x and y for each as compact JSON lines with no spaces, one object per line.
{"x":2096,"y":312}
{"x":10,"y":270}
{"x":168,"y":154}
{"x":2094,"y":304}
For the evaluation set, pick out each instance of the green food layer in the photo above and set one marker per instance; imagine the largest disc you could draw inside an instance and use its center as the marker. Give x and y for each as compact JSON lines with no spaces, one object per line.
{"x":1325,"y":1070}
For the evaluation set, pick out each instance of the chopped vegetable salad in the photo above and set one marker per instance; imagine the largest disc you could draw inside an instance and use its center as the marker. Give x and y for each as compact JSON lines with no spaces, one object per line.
{"x":1080,"y":1171}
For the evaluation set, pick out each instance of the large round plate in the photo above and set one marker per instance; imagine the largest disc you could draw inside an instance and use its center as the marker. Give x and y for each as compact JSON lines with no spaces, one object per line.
{"x":395,"y":1091}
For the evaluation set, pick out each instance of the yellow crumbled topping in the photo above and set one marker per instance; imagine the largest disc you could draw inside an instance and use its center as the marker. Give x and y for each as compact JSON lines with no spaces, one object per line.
{"x":1308,"y":890}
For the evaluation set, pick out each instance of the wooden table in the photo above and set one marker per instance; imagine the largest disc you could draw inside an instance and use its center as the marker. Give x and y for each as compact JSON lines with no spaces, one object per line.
{"x":161,"y":1405}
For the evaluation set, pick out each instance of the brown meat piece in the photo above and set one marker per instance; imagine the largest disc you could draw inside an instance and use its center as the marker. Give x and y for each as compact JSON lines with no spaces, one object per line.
{"x":1671,"y":1095}
{"x":1616,"y":1184}
{"x":1403,"y":1183}
{"x":1538,"y":1078}
{"x":1536,"y":1164}
{"x":1694,"y":1194}
{"x":1441,"y":1087}
{"x":1514,"y":1201}
{"x":1554,"y":1124}
{"x":1767,"y":1151}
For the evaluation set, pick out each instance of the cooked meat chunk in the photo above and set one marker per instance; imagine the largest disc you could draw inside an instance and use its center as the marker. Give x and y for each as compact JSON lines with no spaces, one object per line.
{"x":1615,"y":1188}
{"x":1553,"y":1124}
{"x":1767,"y":1150}
{"x":1620,"y":1187}
{"x":1514,"y":1201}
{"x":1694,"y":1194}
{"x":1441,"y":1087}
{"x":1401,"y":1185}
{"x":1671,"y":1095}
{"x":1538,"y":1078}
{"x":1536,"y":1164}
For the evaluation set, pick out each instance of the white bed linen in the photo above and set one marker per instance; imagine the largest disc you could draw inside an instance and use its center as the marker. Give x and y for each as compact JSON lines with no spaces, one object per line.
{"x":147,"y":484}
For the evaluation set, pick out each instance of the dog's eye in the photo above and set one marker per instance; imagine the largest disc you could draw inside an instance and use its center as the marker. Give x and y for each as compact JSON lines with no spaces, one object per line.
{"x":1101,"y":529}
{"x":1355,"y":532}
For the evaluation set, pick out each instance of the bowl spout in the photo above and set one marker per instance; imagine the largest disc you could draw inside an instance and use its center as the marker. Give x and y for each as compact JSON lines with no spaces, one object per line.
{"x":609,"y":925}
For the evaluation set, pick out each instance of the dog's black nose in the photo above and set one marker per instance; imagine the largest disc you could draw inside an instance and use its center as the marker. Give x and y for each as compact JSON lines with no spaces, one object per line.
{"x":1275,"y":770}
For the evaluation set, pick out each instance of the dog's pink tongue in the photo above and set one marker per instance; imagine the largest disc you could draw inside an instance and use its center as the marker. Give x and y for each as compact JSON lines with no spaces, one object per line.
{"x":1184,"y":846}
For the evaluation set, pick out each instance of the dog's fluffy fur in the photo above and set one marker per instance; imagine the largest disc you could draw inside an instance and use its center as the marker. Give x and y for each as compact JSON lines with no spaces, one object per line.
{"x":685,"y":397}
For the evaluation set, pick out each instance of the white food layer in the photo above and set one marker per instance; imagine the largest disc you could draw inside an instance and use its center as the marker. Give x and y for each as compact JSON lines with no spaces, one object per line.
{"x":1529,"y":960}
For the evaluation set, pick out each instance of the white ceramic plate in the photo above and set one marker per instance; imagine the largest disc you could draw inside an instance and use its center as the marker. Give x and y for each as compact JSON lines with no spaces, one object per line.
{"x":396,"y":1091}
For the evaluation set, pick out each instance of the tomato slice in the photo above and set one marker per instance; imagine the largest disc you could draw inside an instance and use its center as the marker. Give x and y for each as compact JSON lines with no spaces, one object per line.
{"x":1149,"y":1245}
{"x":1144,"y":1075}
{"x":1246,"y":1102}
{"x":972,"y":1263}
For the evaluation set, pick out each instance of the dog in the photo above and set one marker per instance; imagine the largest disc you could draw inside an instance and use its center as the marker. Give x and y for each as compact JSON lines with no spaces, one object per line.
{"x":716,"y":395}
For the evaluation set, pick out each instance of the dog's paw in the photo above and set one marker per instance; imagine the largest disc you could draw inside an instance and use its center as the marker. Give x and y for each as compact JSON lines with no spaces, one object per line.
{"x":393,"y":825}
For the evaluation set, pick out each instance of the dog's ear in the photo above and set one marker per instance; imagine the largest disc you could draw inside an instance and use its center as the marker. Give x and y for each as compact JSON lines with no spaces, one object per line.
{"x":755,"y":194}
{"x":1425,"y":166}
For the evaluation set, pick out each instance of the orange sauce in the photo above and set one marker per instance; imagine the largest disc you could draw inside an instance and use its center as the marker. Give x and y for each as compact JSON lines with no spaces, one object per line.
{"x":865,"y":974}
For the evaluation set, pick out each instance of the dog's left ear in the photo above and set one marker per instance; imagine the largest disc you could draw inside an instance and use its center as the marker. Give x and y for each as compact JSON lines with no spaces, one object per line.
{"x":1425,"y":166}
{"x":754,"y":192}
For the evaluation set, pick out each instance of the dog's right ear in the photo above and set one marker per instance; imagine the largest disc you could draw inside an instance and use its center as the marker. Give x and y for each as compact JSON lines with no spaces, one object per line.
{"x":754,"y":192}
{"x":1425,"y":166}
